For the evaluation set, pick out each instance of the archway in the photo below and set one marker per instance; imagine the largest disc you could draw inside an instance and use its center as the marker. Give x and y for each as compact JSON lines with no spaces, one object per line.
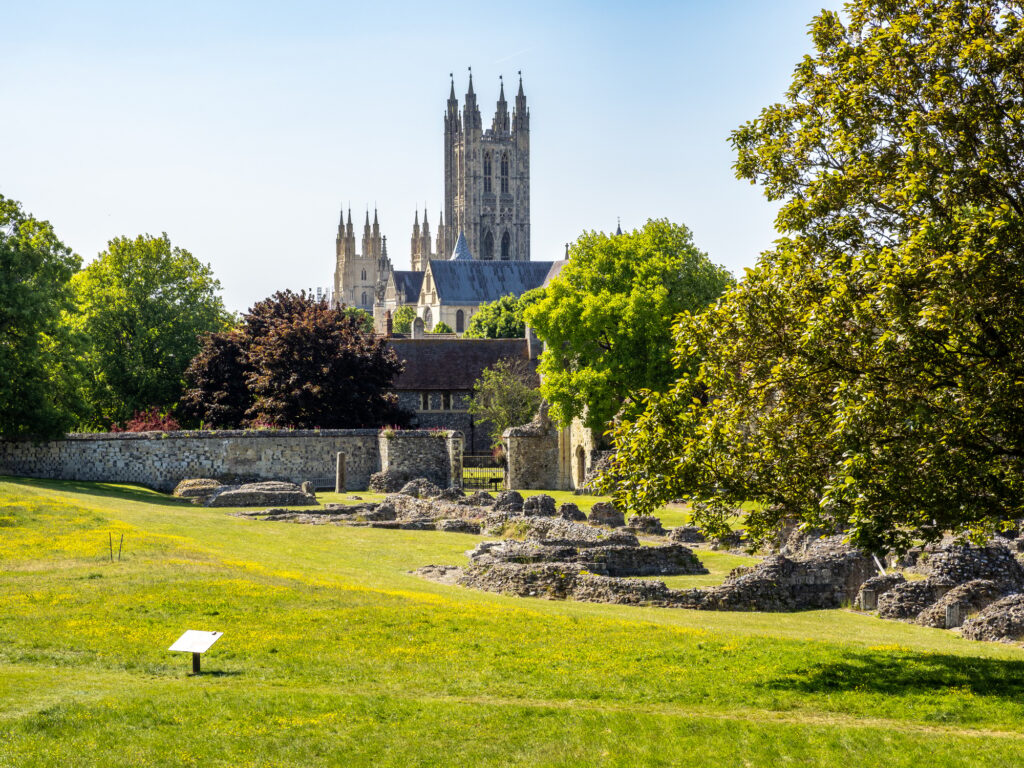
{"x":581,"y":466}
{"x":428,"y":318}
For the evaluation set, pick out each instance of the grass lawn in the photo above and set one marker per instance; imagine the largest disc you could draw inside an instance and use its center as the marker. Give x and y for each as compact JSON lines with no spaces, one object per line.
{"x":334,"y":655}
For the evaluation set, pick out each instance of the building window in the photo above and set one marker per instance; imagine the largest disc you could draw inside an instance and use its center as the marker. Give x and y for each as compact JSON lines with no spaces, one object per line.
{"x":364,"y":298}
{"x":446,"y":401}
{"x":424,"y":401}
{"x":460,"y":321}
{"x":364,"y":274}
{"x":488,"y":250}
{"x":504,"y":173}
{"x":506,"y":247}
{"x":487,"y":173}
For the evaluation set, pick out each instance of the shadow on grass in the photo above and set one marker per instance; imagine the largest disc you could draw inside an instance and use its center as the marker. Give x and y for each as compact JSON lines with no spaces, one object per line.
{"x":104,"y":490}
{"x":899,"y":673}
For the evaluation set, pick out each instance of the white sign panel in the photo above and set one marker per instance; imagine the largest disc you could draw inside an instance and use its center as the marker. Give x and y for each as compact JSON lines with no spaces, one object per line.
{"x":195,"y":641}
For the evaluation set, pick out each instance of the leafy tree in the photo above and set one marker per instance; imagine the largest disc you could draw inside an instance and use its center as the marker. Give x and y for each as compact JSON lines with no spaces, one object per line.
{"x":442,"y":327}
{"x":868,"y":375}
{"x":317,"y":366}
{"x":505,"y":395}
{"x":503,"y":318}
{"x":143,"y":304}
{"x":361,"y":316}
{"x":216,"y":394}
{"x":37,"y":386}
{"x":606,"y":319}
{"x":401,"y":320}
{"x":151,"y":420}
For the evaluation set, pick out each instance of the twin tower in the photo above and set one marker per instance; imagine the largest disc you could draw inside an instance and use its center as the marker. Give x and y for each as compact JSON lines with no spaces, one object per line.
{"x":486,"y":198}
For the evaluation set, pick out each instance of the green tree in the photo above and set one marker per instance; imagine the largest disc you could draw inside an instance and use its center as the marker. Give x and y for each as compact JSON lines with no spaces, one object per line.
{"x":441,"y":327}
{"x":142,"y":304}
{"x":606,"y":320}
{"x":868,"y":375}
{"x":37,"y":382}
{"x":401,"y":320}
{"x":505,"y":395}
{"x":503,"y":318}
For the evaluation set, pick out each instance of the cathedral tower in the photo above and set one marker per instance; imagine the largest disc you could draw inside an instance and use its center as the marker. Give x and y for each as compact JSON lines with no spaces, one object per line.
{"x":355,"y":274}
{"x":487,"y":177}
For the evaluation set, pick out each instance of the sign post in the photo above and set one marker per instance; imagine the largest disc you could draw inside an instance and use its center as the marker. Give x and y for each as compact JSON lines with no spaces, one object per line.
{"x":195,"y":642}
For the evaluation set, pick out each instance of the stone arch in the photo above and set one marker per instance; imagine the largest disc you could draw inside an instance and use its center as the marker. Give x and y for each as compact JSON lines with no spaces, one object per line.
{"x":460,"y":321}
{"x":428,"y":318}
{"x":506,"y":247}
{"x":487,"y":253}
{"x":581,"y":466}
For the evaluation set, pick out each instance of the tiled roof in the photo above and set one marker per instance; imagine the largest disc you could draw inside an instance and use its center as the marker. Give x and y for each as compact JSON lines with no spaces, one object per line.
{"x":408,"y":285}
{"x":473,"y":282}
{"x":451,"y":363}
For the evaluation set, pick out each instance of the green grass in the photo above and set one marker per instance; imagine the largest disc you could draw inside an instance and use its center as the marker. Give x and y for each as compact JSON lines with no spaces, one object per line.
{"x":334,"y":654}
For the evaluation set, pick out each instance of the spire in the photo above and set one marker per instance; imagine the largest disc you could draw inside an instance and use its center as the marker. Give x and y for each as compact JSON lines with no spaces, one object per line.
{"x":521,"y":115}
{"x":348,"y":227}
{"x":376,"y":227}
{"x":416,"y":221}
{"x":470,"y":91}
{"x":461,"y":251}
{"x":451,"y":94}
{"x":470,"y":110}
{"x":618,"y":229}
{"x":500,"y":124}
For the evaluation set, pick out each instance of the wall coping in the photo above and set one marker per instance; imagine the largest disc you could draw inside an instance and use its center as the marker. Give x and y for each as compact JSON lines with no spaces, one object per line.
{"x":212,"y":434}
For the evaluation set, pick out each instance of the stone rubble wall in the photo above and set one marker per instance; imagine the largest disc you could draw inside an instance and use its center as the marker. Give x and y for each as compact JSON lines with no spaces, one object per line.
{"x":160,"y":460}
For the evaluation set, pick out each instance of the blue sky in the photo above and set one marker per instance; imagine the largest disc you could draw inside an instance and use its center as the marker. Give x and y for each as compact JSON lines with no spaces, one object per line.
{"x":241,"y":128}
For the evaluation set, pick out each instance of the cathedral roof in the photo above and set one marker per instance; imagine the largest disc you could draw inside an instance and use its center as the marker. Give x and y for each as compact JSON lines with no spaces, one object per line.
{"x":461,"y":251}
{"x":408,"y":284}
{"x":556,"y":267}
{"x":473,"y":282}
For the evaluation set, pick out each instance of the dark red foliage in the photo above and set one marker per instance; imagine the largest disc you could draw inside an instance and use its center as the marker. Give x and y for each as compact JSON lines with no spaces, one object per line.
{"x":151,"y":420}
{"x":295,"y":362}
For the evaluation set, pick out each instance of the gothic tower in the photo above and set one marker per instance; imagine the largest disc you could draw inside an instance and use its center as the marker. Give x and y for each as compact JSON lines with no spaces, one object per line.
{"x":355,"y":274}
{"x":487,"y":178}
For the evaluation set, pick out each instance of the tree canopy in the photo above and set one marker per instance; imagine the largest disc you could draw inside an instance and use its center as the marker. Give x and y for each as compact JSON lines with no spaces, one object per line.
{"x":35,"y":270}
{"x":401,"y":320}
{"x":294,"y":362}
{"x":502,"y":318}
{"x":142,"y":305}
{"x":868,"y":374}
{"x":504,"y":396}
{"x":606,"y":320}
{"x":441,"y":327}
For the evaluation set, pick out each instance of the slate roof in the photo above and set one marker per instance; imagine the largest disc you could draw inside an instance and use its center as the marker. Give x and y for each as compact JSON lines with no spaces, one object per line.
{"x":556,"y":267}
{"x":473,"y":282}
{"x":461,"y":250}
{"x":453,"y":364}
{"x":408,"y":284}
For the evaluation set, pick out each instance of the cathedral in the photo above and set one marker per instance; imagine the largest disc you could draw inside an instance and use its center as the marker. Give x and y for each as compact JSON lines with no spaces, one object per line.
{"x":481,"y":250}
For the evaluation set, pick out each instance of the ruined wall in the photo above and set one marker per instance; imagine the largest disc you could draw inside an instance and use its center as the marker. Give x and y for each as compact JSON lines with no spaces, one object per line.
{"x":435,"y":455}
{"x":160,"y":460}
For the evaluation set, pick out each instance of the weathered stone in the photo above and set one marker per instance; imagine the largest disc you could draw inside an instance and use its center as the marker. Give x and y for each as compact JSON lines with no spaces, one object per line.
{"x":907,"y":600}
{"x":620,"y":560}
{"x":420,"y":488}
{"x":478,"y":499}
{"x":383,"y":511}
{"x":686,"y":534}
{"x":876,"y":586}
{"x":260,"y":495}
{"x":733,"y":540}
{"x":509,"y":501}
{"x":540,"y":505}
{"x":646,"y":524}
{"x":569,"y":511}
{"x":307,"y":488}
{"x":388,"y":481}
{"x":558,"y":532}
{"x":965,"y":599}
{"x":605,"y":513}
{"x":959,"y":564}
{"x":452,"y":494}
{"x":458,"y":526}
{"x":199,"y":490}
{"x":1002,"y":620}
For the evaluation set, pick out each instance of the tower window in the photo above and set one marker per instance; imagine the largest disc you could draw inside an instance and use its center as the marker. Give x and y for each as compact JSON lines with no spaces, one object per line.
{"x":364,"y":274}
{"x":487,"y":173}
{"x":506,"y":247}
{"x":504,"y":173}
{"x":364,"y":298}
{"x":488,"y":250}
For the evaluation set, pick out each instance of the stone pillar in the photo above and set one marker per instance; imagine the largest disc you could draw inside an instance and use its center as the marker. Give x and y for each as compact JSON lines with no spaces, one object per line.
{"x":339,"y":474}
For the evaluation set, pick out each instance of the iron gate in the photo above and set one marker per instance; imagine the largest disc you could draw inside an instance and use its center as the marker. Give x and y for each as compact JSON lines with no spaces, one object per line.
{"x":482,"y":473}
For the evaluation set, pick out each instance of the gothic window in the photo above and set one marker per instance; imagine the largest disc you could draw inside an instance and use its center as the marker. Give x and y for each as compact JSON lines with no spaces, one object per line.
{"x":364,"y":299}
{"x":506,"y":247}
{"x":487,"y":173}
{"x":488,"y":250}
{"x":364,"y":274}
{"x":504,"y":173}
{"x":428,"y":318}
{"x":460,"y":321}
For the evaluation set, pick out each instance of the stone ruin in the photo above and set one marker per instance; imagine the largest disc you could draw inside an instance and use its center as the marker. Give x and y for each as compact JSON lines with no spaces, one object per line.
{"x":213,"y":493}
